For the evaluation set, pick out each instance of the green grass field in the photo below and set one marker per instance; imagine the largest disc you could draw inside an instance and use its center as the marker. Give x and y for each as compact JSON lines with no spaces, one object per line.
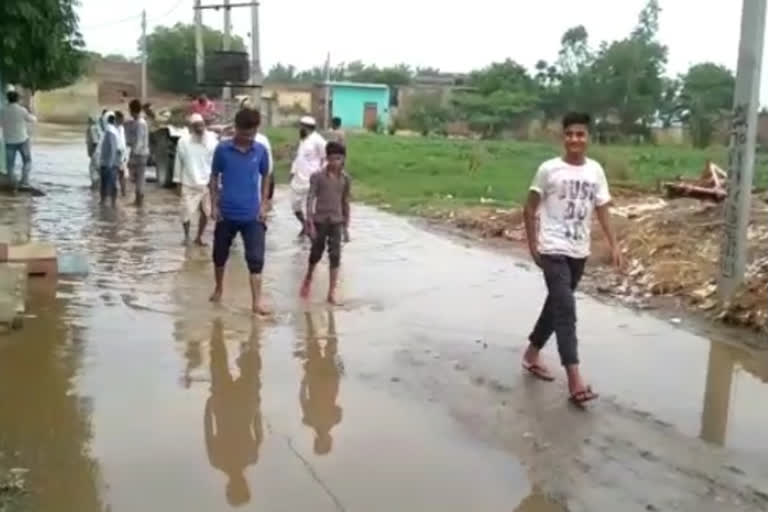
{"x":410,"y":173}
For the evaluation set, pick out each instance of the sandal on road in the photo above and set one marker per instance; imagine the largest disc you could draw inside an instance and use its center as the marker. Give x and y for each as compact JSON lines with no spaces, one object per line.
{"x":580,"y":398}
{"x":538,"y":371}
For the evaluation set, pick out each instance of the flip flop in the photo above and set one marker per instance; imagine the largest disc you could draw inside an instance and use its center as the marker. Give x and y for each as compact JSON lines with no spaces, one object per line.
{"x":580,"y":398}
{"x":538,"y":371}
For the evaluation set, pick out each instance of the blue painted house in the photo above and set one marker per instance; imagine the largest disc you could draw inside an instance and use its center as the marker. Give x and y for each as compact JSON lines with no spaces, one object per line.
{"x":360,"y":105}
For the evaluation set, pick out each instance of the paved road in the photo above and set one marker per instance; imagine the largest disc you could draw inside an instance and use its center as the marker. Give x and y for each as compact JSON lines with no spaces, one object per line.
{"x":129,"y":391}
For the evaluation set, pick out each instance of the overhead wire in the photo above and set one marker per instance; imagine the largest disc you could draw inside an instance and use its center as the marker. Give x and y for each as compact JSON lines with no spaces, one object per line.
{"x":133,"y":17}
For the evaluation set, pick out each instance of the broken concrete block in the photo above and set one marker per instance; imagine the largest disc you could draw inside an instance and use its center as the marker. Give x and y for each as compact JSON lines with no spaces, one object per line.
{"x":13,"y":292}
{"x":40,"y":257}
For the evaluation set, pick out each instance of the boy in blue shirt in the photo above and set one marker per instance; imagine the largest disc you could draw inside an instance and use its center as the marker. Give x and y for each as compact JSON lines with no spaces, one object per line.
{"x":239,"y":187}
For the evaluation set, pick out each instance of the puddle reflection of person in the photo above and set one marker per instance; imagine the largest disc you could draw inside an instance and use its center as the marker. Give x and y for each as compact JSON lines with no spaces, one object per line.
{"x":538,"y":502}
{"x":233,"y":428}
{"x":320,"y":385}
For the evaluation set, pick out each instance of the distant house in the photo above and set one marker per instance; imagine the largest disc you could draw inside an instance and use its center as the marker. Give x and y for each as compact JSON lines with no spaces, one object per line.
{"x":359,"y":105}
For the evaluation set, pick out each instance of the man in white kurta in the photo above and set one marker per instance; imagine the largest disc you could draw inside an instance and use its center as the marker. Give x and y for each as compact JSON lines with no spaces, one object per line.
{"x":192,"y":170}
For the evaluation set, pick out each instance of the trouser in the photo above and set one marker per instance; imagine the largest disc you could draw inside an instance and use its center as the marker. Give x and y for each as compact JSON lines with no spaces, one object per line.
{"x":562,"y":275}
{"x":108,"y":182}
{"x":327,"y":233}
{"x":137,"y":165}
{"x":26,"y":159}
{"x":271,"y":193}
{"x":253,"y":233}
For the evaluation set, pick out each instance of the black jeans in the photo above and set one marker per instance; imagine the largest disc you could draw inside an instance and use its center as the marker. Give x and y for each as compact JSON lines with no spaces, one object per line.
{"x":330,"y":233}
{"x":558,"y":316}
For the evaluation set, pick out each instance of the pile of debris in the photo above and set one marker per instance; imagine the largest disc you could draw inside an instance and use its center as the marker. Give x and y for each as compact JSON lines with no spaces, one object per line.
{"x":709,"y":186}
{"x":674,"y":251}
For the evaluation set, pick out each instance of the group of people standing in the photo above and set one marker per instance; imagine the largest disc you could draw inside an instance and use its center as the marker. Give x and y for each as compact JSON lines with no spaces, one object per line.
{"x":118,"y":148}
{"x":231,"y":182}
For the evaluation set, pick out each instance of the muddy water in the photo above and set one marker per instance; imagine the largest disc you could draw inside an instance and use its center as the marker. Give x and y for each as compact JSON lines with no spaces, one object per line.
{"x":128,"y":391}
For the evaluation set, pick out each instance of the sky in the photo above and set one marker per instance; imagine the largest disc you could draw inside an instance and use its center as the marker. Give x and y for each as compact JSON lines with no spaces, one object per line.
{"x":451,"y":36}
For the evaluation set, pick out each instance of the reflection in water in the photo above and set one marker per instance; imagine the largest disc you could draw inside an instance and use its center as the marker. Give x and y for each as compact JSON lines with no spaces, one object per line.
{"x":233,"y":427}
{"x":538,"y":502}
{"x":320,"y":385}
{"x":44,"y":425}
{"x":724,"y":360}
{"x":717,"y":394}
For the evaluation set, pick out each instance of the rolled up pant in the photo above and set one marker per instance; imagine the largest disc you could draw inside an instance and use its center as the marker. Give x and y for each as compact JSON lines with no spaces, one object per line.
{"x":108,"y":182}
{"x":253,"y":233}
{"x":562,"y":275}
{"x":26,"y":159}
{"x":327,"y":234}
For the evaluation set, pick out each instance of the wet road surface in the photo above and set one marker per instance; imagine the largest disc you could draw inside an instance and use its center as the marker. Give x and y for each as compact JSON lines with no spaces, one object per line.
{"x":128,"y":391}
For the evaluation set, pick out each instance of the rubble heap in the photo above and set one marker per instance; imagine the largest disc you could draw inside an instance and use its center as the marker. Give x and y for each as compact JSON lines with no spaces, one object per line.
{"x":675,"y":250}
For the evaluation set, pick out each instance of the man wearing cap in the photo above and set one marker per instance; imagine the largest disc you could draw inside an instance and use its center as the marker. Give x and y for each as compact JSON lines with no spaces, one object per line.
{"x":310,"y":158}
{"x":194,"y":156}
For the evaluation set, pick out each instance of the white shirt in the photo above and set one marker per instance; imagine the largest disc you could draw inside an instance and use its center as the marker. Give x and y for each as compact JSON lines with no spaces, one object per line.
{"x":194,"y":156}
{"x":14,"y":119}
{"x":264,"y":141}
{"x":122,"y":145}
{"x":569,"y":195}
{"x":310,"y":159}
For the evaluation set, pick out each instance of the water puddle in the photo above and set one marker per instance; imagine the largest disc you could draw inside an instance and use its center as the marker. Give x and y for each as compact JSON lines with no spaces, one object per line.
{"x":128,"y":391}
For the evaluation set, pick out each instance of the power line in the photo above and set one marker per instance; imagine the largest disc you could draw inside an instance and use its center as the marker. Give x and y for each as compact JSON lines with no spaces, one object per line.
{"x":134,"y":17}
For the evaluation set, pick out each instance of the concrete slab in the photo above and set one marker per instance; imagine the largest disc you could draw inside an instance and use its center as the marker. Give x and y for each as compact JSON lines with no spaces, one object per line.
{"x":13,"y":292}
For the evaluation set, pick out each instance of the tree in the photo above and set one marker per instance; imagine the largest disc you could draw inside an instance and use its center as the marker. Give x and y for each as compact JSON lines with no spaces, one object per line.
{"x":501,"y":76}
{"x":669,"y":108}
{"x":427,"y":113}
{"x":117,"y":57}
{"x":705,"y":98}
{"x":41,"y":46}
{"x":280,"y":73}
{"x":628,"y":75}
{"x":504,"y":94}
{"x":171,"y":55}
{"x":493,"y":113}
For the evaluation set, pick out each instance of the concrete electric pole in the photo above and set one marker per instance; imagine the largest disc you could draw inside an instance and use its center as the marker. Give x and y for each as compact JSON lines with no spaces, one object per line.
{"x":144,"y":55}
{"x":199,"y":49}
{"x":741,"y":157}
{"x":256,"y":73}
{"x":226,"y":93}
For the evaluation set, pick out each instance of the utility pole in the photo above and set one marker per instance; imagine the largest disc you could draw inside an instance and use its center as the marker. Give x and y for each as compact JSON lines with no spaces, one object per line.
{"x":199,"y":49}
{"x":144,"y":55}
{"x":327,"y":120}
{"x":226,"y":93}
{"x":741,"y":157}
{"x":256,"y":73}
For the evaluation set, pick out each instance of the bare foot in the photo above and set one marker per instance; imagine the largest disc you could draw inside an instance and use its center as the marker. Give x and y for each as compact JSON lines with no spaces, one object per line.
{"x":261,"y":310}
{"x":332,"y":300}
{"x":216,"y":296}
{"x":185,"y":242}
{"x":305,"y":288}
{"x":199,"y":242}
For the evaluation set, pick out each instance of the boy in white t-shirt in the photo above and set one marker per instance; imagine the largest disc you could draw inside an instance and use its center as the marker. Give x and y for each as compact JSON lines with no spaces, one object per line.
{"x":558,"y":220}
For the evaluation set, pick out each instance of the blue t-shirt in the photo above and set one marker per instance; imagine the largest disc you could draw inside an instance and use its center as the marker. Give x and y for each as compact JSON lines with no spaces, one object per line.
{"x":241,"y":174}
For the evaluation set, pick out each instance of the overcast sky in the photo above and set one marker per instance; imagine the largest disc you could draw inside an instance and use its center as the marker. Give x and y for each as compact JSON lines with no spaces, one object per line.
{"x":452,"y":36}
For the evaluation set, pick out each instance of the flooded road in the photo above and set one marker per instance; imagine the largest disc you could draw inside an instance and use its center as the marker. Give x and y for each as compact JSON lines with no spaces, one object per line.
{"x":128,"y":391}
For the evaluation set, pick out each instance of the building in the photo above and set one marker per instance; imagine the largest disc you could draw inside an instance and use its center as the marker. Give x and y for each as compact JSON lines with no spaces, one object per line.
{"x":358,"y":105}
{"x":106,"y":83}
